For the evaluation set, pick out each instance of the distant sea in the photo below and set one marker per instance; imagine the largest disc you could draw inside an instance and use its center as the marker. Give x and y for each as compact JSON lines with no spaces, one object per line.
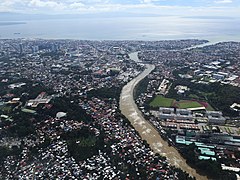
{"x":132,"y":28}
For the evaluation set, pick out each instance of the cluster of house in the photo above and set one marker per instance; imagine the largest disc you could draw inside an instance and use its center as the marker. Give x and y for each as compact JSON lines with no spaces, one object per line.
{"x":203,"y":66}
{"x":74,"y":68}
{"x":127,"y":143}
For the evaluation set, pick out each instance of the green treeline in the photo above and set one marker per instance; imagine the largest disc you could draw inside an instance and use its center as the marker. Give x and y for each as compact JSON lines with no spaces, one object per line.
{"x":83,"y":143}
{"x":112,"y":92}
{"x":141,"y":87}
{"x":208,"y":167}
{"x":219,"y":96}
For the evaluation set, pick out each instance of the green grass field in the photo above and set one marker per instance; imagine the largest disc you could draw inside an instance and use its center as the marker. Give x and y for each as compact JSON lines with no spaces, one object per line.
{"x":160,"y":101}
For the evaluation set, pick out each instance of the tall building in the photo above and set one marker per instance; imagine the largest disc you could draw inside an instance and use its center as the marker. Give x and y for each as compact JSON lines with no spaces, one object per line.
{"x":35,"y":49}
{"x":54,"y":48}
{"x":21,"y":48}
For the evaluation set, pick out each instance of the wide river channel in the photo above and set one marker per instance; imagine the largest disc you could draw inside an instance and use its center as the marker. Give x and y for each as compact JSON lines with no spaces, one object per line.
{"x":146,"y":130}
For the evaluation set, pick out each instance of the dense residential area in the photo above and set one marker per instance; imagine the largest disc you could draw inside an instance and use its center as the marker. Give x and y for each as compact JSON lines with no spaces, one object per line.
{"x":60,"y":115}
{"x":192,"y":98}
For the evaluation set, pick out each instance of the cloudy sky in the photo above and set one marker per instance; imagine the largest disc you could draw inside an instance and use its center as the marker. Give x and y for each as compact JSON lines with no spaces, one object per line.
{"x":158,"y":7}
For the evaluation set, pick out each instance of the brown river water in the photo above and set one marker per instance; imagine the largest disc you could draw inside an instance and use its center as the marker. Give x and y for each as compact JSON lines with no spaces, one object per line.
{"x":145,"y":128}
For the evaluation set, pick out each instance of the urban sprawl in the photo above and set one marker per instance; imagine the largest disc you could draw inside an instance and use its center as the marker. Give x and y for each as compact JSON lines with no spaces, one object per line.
{"x":60,"y":116}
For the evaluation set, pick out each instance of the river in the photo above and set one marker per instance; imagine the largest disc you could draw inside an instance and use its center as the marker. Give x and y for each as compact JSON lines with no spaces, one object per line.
{"x":212,"y":42}
{"x":134,"y":56}
{"x":146,"y":130}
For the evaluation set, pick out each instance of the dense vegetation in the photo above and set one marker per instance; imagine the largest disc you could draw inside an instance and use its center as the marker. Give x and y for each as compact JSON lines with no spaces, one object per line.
{"x":208,"y":167}
{"x":23,"y":125}
{"x":113,"y":92}
{"x":64,"y":104}
{"x":141,"y":87}
{"x":83,"y":143}
{"x":221,"y":97}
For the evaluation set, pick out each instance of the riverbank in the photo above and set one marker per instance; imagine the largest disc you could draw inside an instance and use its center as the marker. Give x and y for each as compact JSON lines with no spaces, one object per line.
{"x":147,"y":132}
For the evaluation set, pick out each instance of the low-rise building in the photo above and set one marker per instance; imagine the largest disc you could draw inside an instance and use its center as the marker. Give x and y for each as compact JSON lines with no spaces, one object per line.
{"x":167,"y":113}
{"x":218,"y":76}
{"x":184,"y":114}
{"x":215,"y":117}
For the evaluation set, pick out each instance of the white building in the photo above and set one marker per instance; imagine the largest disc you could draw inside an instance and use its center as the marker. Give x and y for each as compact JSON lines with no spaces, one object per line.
{"x":167,"y":113}
{"x":215,"y":117}
{"x":184,"y":114}
{"x":218,"y":76}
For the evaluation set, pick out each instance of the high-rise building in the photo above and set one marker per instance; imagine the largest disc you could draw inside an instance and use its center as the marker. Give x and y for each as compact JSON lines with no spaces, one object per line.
{"x":35,"y":49}
{"x":54,"y":48}
{"x":21,"y":48}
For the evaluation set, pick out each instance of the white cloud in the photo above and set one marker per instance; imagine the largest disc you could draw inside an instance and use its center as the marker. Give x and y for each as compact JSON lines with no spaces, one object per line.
{"x":149,"y":1}
{"x":76,"y":5}
{"x":223,"y":1}
{"x":146,"y":1}
{"x":134,"y":6}
{"x":47,"y":5}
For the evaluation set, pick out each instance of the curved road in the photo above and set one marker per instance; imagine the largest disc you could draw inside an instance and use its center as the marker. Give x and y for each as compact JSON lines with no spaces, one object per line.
{"x":146,"y":130}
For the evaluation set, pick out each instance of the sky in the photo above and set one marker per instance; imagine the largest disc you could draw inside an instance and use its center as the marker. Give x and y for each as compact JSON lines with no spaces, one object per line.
{"x":228,"y":8}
